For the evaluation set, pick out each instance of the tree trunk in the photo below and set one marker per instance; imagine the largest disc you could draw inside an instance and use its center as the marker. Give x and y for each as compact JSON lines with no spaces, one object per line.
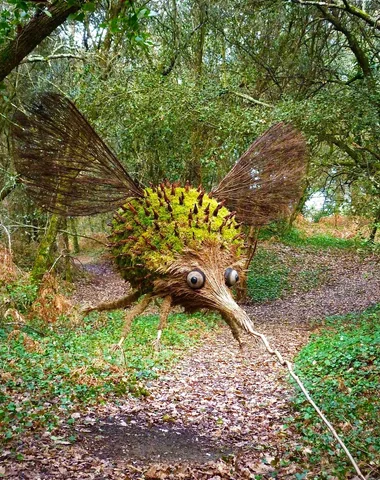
{"x":202,"y":16}
{"x":374,"y":228}
{"x":301,"y":203}
{"x":65,"y":252}
{"x":32,"y":34}
{"x":43,"y":258}
{"x":76,"y":248}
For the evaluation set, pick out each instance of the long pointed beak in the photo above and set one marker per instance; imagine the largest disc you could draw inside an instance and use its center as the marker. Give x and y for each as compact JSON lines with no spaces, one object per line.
{"x":230,"y":309}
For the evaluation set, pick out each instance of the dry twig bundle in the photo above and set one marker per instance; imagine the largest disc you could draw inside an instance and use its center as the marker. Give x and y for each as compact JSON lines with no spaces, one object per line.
{"x":266,"y":182}
{"x":66,"y":167}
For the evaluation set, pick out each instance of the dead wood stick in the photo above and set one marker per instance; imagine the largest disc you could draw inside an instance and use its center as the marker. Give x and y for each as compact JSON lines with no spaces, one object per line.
{"x":289,"y":366}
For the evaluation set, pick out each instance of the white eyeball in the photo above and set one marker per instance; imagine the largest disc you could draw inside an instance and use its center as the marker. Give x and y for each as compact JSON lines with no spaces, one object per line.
{"x":231,"y":277}
{"x":196,"y":279}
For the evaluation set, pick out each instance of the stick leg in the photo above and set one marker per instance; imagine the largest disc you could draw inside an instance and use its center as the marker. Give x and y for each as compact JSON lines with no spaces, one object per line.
{"x":122,"y":302}
{"x":234,"y":329}
{"x":164,"y":313}
{"x":131,"y":315}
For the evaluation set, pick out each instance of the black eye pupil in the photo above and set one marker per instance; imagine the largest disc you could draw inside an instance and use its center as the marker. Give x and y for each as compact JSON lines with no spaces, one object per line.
{"x":236,"y":277}
{"x":193,"y":280}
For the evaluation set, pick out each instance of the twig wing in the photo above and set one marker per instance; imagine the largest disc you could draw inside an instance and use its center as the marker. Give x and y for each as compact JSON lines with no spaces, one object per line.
{"x":66,"y":167}
{"x":267,"y":180}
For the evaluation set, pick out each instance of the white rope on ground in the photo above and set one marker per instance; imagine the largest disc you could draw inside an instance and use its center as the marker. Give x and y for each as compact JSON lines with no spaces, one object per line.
{"x":289,"y":366}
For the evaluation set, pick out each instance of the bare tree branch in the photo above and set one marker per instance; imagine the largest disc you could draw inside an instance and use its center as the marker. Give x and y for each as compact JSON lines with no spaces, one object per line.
{"x":32,"y":34}
{"x":251,"y":99}
{"x":360,"y":56}
{"x":40,"y":58}
{"x":347,"y":7}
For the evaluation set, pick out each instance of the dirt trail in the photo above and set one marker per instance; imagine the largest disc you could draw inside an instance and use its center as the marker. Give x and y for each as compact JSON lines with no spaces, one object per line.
{"x":219,"y":413}
{"x":352,"y":286}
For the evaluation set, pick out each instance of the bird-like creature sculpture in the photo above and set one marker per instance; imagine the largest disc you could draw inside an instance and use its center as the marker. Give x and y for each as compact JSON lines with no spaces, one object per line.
{"x":173,"y":242}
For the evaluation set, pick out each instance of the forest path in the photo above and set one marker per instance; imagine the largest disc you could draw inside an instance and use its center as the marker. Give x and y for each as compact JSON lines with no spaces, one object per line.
{"x":219,"y":413}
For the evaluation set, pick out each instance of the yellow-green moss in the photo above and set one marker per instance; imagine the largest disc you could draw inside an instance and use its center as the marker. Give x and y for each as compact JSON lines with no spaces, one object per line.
{"x":148,"y":233}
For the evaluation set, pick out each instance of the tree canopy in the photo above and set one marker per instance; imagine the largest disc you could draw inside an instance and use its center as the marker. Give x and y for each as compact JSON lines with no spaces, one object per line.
{"x":180,"y":89}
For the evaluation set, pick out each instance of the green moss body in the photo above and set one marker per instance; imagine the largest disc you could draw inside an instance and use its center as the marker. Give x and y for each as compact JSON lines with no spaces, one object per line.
{"x":148,"y":234}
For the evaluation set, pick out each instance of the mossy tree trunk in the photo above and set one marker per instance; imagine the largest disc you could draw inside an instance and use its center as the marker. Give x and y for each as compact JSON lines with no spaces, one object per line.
{"x":43,"y":259}
{"x":68,"y":272}
{"x":76,"y":248}
{"x":375,"y":227}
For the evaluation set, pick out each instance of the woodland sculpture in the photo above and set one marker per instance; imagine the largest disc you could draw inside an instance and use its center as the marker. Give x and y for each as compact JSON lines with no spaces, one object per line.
{"x":173,"y":242}
{"x":177,"y":243}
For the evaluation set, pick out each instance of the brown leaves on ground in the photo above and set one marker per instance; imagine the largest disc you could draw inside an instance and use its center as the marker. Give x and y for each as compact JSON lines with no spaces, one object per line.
{"x":29,"y":343}
{"x":218,"y":414}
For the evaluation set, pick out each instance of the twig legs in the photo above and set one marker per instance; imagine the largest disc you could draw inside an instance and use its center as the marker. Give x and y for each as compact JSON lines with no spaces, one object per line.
{"x":164,"y":313}
{"x":131,"y":315}
{"x":122,"y":302}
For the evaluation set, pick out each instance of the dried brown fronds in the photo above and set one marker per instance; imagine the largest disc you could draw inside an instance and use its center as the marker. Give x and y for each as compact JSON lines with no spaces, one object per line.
{"x":266,"y":182}
{"x":8,"y":270}
{"x":30,"y":345}
{"x":64,"y":164}
{"x":50,"y":304}
{"x":15,"y":315}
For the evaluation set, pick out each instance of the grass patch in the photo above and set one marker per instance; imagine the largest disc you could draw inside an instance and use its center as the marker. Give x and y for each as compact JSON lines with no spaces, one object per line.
{"x":297,"y":238}
{"x":267,"y":277}
{"x":49,"y":371}
{"x":341,"y":368}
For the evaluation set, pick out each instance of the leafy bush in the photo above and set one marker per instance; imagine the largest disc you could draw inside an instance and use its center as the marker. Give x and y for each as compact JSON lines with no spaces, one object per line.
{"x":341,"y":368}
{"x":55,"y":369}
{"x":22,"y":294}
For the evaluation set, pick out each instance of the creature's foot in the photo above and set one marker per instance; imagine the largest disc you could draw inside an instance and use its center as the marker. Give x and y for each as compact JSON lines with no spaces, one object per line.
{"x":117,"y":346}
{"x":87,"y":310}
{"x":157,"y":343}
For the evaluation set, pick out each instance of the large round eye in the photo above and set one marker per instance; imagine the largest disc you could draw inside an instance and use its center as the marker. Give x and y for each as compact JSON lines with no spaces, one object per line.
{"x":231,"y":277}
{"x":196,"y":279}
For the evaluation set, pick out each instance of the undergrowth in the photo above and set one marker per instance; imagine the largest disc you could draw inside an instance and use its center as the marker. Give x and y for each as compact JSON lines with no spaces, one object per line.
{"x":298,"y":238}
{"x":267,"y":277}
{"x":341,"y":368}
{"x":276,"y":272}
{"x":272,"y":275}
{"x":50,"y":371}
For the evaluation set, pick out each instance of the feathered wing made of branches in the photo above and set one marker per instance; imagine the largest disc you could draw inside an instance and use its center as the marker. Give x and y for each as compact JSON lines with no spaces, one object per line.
{"x":64,"y":164}
{"x":267,"y":180}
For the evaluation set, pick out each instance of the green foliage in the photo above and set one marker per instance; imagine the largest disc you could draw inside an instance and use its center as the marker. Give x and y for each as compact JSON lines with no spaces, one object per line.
{"x":22,"y":294}
{"x":297,"y":238}
{"x":341,"y":368}
{"x":57,"y":369}
{"x":267,"y":277}
{"x":12,"y":15}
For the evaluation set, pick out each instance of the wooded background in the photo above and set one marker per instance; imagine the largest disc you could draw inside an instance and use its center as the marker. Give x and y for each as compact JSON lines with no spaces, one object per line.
{"x":180,"y":89}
